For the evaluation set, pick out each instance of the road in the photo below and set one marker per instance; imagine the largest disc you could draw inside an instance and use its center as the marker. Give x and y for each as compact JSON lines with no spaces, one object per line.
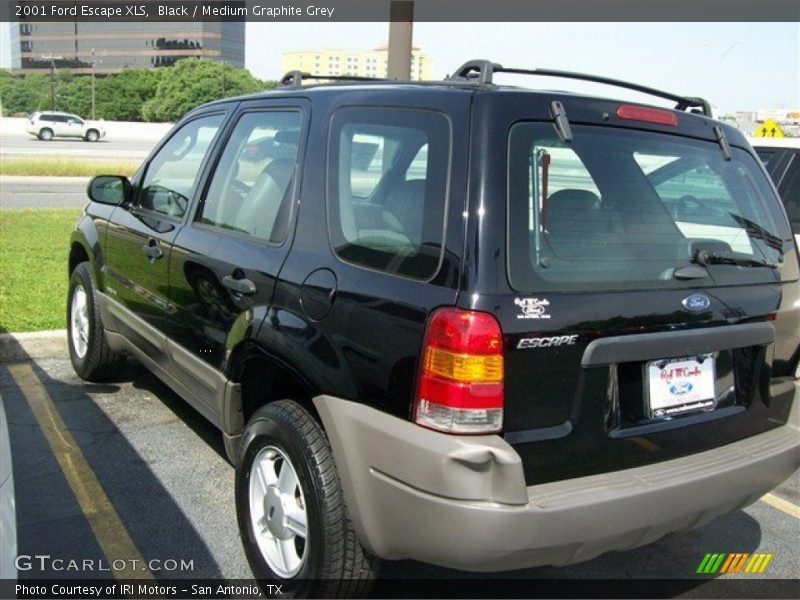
{"x":19,"y":145}
{"x":169,"y":490}
{"x":42,"y":192}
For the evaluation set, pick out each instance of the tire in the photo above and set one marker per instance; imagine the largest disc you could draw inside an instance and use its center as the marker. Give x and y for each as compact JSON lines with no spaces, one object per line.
{"x":92,"y":135}
{"x":91,"y":357}
{"x":46,"y":134}
{"x":329,"y":561}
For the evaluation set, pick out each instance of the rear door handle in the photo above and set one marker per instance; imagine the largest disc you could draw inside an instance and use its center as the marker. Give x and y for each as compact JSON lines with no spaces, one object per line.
{"x":153,"y":250}
{"x":241,"y":286}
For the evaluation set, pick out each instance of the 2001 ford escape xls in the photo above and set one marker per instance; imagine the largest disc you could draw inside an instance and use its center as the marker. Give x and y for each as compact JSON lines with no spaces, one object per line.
{"x":479,"y":326}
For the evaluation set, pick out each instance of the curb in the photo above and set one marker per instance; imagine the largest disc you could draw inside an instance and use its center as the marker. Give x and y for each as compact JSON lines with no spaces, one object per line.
{"x":33,"y":344}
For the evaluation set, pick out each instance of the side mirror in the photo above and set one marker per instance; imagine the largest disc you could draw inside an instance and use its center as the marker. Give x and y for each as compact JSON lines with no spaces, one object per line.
{"x":109,"y":189}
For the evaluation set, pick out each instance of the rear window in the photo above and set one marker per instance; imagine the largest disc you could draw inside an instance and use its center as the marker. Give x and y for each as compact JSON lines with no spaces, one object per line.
{"x":622,"y":209}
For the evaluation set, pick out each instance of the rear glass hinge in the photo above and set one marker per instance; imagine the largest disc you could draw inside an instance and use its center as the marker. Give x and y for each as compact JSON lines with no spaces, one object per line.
{"x":722,"y":140}
{"x":561,"y":122}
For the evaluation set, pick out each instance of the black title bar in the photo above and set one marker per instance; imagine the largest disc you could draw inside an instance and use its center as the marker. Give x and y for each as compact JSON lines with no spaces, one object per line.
{"x":378,"y":10}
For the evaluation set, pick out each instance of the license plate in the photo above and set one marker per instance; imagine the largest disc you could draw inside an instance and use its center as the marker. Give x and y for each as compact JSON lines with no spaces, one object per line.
{"x":682,"y":385}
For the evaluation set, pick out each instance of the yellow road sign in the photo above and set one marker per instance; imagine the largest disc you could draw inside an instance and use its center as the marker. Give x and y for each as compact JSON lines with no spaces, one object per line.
{"x":769,"y":128}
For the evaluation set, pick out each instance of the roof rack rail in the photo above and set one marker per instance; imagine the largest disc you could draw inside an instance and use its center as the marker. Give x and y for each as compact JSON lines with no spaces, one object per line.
{"x":296,"y":78}
{"x":482,"y":71}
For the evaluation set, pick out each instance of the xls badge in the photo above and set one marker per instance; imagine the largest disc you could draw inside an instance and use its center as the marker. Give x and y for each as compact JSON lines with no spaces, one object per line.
{"x":532,"y":308}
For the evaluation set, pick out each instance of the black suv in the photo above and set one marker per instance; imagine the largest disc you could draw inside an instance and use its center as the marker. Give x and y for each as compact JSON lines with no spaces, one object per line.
{"x":480,"y":326}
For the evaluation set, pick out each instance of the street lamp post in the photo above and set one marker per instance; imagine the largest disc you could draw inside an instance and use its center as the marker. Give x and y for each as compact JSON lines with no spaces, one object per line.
{"x":52,"y":60}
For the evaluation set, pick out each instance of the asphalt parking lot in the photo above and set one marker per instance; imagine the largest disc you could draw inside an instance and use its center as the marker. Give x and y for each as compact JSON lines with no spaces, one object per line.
{"x":128,"y":470}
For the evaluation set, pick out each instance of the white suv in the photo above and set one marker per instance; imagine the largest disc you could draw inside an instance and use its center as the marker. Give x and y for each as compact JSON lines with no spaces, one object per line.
{"x":47,"y":125}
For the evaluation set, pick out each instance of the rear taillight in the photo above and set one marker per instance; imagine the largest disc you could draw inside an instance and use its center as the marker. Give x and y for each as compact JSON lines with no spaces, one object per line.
{"x":460,"y":384}
{"x":658,"y":116}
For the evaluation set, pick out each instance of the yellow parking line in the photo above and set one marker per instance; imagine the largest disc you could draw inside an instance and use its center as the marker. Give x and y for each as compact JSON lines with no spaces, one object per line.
{"x":781,"y":504}
{"x":108,"y":528}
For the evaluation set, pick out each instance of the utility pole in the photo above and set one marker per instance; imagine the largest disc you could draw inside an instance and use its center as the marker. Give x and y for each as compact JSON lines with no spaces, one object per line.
{"x":93,"y":117}
{"x":93,"y":95}
{"x":52,"y":60}
{"x":401,"y":33}
{"x":222,"y":73}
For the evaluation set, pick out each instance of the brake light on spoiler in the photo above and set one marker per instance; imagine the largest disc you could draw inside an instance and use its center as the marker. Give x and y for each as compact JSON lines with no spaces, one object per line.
{"x":460,"y":383}
{"x":631,"y":112}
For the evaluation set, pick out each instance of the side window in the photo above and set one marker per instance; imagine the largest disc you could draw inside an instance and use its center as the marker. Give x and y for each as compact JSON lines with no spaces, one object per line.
{"x":790,"y":192}
{"x":371,"y":156}
{"x":251,"y":189}
{"x":418,"y":169}
{"x":387,"y":188}
{"x":766,"y":155}
{"x":171,"y":175}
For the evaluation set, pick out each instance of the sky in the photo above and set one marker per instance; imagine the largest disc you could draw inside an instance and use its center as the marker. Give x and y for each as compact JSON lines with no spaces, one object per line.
{"x":736,"y":66}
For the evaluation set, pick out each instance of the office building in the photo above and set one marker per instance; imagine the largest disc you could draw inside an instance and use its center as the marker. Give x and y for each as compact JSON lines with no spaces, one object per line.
{"x":116,"y":46}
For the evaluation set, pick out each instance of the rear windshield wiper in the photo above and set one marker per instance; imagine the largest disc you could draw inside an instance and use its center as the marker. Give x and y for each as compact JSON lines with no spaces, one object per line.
{"x":705,"y":257}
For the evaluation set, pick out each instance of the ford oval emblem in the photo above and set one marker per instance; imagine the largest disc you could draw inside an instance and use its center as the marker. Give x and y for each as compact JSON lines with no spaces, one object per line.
{"x":680,"y":388}
{"x":696,"y":302}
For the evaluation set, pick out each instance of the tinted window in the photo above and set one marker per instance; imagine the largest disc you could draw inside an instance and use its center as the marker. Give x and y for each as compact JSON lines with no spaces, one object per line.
{"x":621,"y":209}
{"x":790,"y":191}
{"x":765,"y":154}
{"x":172,"y":173}
{"x":387,"y":188}
{"x":251,"y":189}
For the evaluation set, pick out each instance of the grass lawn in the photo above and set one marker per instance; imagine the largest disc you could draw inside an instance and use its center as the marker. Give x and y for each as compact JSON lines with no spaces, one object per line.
{"x":66,"y":166}
{"x":34,"y":245}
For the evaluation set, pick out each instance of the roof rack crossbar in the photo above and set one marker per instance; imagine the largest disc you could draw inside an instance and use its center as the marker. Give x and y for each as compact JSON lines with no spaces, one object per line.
{"x":296,"y":78}
{"x":483,"y":71}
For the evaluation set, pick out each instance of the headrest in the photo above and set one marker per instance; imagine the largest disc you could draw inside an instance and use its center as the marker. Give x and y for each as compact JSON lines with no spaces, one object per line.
{"x":573,"y":200}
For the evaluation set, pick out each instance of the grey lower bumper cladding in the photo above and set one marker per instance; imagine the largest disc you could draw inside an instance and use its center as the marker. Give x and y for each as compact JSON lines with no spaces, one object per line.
{"x":461,"y":501}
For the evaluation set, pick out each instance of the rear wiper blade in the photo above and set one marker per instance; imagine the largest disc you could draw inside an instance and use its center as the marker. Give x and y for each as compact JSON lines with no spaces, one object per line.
{"x":704,"y":257}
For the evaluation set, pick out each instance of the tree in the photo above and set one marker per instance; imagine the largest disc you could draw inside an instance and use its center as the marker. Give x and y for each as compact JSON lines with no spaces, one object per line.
{"x":121,"y":97}
{"x":191,"y":82}
{"x":162,"y":94}
{"x":26,"y":93}
{"x":75,"y":96}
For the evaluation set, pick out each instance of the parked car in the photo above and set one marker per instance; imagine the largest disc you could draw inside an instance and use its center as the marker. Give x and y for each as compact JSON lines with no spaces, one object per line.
{"x":49,"y":125}
{"x":8,"y":513}
{"x":474,"y":325}
{"x":781,"y":157}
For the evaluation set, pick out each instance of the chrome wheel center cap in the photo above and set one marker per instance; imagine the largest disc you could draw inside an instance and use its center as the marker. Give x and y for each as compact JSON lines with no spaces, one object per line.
{"x":274,"y":512}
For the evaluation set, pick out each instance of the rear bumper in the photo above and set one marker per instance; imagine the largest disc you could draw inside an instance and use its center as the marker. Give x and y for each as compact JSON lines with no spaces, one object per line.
{"x":461,"y":502}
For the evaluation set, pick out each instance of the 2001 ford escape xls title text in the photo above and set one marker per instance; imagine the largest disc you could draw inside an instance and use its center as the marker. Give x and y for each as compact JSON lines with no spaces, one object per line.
{"x":480,"y":326}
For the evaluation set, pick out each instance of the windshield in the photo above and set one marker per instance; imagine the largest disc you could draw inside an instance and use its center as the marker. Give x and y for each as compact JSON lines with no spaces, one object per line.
{"x":622,"y":209}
